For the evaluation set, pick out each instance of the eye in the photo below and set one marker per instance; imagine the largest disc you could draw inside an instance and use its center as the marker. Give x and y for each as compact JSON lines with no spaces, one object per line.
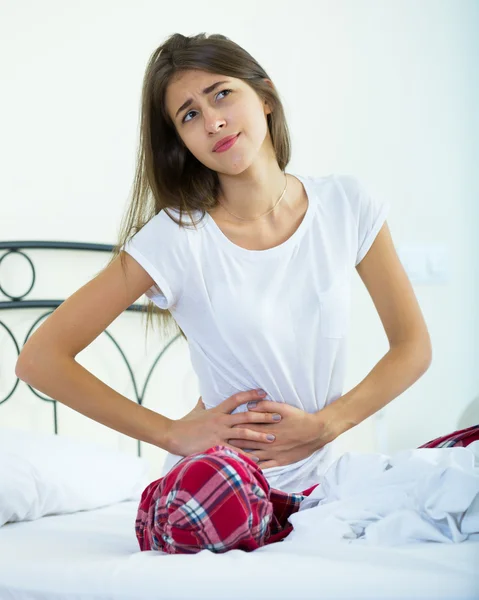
{"x":223,"y":91}
{"x":185,"y":120}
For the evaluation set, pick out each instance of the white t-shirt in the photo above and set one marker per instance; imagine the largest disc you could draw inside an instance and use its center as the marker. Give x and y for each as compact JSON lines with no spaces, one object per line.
{"x":275,"y":319}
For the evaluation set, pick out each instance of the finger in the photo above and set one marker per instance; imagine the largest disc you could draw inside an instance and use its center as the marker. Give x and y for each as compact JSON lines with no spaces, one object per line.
{"x":248,"y":443}
{"x":261,"y":457}
{"x":266,"y":464}
{"x":253,"y":417}
{"x":264,"y":458}
{"x":248,"y":454}
{"x":263,"y":405}
{"x":255,"y":436}
{"x":231,"y":403}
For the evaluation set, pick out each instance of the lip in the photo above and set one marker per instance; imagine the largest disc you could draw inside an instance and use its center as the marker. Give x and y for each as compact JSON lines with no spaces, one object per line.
{"x":225,"y":143}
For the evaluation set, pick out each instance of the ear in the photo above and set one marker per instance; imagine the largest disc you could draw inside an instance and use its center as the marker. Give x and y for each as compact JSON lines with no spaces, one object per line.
{"x":267,"y":107}
{"x":269,"y":82}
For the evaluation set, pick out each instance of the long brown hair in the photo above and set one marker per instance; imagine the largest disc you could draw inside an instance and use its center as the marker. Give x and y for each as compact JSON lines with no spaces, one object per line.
{"x":167,"y":174}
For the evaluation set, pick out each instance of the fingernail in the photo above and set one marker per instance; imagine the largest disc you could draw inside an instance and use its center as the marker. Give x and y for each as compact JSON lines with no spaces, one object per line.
{"x":252,"y":404}
{"x":276,"y":417}
{"x":270,"y":437}
{"x":261,"y":392}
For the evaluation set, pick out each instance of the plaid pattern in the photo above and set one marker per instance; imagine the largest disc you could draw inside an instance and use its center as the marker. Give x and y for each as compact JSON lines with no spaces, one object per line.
{"x":217,"y":500}
{"x":220,"y":500}
{"x":461,"y":437}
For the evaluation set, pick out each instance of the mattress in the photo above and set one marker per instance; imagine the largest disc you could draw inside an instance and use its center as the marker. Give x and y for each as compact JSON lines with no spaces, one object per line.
{"x":94,"y":555}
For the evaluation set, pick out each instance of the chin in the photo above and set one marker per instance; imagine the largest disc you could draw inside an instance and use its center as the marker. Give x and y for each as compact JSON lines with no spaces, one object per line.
{"x":238,"y":164}
{"x":234,"y":164}
{"x":232,"y":169}
{"x":237,"y":169}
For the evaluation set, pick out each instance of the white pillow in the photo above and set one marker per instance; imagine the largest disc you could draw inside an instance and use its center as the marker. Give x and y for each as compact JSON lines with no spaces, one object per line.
{"x":18,"y":491}
{"x":46,"y":474}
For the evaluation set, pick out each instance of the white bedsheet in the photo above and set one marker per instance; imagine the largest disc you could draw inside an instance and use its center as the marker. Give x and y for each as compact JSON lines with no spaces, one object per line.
{"x":93,"y":555}
{"x":419,"y":495}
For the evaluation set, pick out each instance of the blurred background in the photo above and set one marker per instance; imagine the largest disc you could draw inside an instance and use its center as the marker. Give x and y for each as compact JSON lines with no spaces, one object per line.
{"x":387,"y":91}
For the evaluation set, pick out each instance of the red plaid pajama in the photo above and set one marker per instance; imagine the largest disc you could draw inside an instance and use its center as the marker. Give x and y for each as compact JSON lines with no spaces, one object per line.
{"x":220,"y":500}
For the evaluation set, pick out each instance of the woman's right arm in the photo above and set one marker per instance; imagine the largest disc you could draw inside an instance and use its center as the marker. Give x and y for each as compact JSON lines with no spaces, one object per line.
{"x":47,"y":361}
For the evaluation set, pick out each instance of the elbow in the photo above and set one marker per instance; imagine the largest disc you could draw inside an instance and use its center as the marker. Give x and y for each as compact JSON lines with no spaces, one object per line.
{"x":24,"y":365}
{"x":37,"y":362}
{"x":427,"y":352}
{"x":32,"y":362}
{"x":424,"y":353}
{"x":416,"y":342}
{"x":419,"y":352}
{"x":427,"y":362}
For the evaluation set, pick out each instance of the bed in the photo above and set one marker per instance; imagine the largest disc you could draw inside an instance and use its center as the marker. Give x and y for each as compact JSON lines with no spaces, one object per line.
{"x":70,"y":534}
{"x":94,"y":555}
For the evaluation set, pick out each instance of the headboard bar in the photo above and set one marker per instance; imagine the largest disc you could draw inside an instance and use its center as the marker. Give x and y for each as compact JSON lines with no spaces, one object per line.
{"x":19,"y":303}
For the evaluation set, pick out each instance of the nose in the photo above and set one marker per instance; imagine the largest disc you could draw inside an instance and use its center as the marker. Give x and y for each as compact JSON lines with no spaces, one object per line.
{"x":213,"y":120}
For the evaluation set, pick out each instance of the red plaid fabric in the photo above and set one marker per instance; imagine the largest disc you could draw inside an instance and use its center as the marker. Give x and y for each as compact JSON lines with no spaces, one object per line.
{"x":220,"y":500}
{"x":461,"y":437}
{"x":217,"y":500}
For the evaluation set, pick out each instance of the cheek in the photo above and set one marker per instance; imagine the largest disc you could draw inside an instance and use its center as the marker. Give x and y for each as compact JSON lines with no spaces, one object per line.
{"x":256,"y":126}
{"x":192,"y":144}
{"x":200,"y":150}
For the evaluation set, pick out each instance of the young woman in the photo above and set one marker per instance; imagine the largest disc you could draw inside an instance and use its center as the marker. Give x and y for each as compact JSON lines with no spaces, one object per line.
{"x":254,"y":265}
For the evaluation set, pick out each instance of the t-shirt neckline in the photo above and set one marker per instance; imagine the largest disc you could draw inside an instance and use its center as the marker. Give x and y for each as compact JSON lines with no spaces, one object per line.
{"x":258,"y":254}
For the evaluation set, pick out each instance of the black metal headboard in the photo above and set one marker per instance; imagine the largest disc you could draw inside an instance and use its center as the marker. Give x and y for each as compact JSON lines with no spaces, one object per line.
{"x":20,"y":302}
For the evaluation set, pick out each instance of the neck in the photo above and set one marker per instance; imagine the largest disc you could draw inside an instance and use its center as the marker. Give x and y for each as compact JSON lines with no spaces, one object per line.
{"x":252,"y":193}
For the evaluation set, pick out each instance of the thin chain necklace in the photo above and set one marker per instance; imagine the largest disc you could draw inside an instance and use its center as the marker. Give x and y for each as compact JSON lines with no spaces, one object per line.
{"x":266,"y":213}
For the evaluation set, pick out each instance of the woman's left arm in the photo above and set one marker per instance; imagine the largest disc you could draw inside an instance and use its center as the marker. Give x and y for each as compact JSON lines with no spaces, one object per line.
{"x":410,"y":352}
{"x":299,"y":434}
{"x":397,"y":370}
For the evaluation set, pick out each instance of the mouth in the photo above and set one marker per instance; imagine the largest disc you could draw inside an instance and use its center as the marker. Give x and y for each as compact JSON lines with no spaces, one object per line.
{"x":225,"y":143}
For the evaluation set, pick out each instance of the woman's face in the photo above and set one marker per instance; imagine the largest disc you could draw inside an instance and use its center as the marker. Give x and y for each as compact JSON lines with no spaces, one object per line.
{"x":220,"y":107}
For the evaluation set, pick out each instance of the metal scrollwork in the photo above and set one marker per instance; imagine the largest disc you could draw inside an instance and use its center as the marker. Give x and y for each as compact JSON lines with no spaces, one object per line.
{"x":18,"y":302}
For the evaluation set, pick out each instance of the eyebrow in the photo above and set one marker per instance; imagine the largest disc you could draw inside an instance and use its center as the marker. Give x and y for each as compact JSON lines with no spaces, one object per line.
{"x":207,"y":90}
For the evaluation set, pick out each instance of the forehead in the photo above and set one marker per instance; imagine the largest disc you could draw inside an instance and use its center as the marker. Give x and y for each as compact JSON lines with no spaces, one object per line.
{"x":185,"y":84}
{"x":193,"y":81}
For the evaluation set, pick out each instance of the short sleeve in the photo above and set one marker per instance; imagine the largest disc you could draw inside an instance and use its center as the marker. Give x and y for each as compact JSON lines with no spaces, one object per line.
{"x":159,"y":247}
{"x":369,"y":213}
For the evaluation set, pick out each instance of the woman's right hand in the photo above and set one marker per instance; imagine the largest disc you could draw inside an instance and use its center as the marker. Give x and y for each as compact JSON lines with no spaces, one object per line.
{"x":201,"y":429}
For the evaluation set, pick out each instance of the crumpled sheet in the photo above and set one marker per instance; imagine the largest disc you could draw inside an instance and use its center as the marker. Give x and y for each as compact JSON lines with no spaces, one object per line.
{"x":419,"y":495}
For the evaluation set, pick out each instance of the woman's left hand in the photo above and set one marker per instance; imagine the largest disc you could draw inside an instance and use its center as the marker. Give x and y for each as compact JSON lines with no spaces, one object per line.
{"x":298,"y":435}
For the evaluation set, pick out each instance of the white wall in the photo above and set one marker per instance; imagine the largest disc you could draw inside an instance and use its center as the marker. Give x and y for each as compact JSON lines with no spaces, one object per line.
{"x":387,"y":91}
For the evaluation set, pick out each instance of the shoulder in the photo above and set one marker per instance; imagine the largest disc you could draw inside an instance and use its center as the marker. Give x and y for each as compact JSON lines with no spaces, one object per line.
{"x":350,"y":189}
{"x":342,"y":185}
{"x":333,"y":192}
{"x":165,"y":233}
{"x":342,"y":191}
{"x":333,"y":184}
{"x":169,"y":221}
{"x":363,"y":199}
